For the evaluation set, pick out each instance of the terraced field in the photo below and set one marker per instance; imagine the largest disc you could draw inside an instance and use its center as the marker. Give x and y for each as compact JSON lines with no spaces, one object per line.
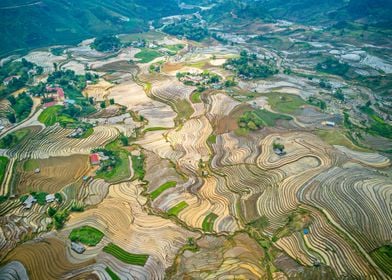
{"x":35,"y":256}
{"x":233,"y":180}
{"x":55,"y":173}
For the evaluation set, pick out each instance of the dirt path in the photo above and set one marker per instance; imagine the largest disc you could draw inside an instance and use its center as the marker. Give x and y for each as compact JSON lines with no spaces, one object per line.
{"x":30,"y":121}
{"x":4,"y":188}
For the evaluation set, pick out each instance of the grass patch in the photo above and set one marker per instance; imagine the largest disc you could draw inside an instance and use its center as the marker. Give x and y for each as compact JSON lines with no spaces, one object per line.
{"x":49,"y":116}
{"x":211,"y":139}
{"x":3,"y":167}
{"x":120,"y":171}
{"x":333,"y":137}
{"x":175,"y":210}
{"x":147,"y":87}
{"x":162,"y":188}
{"x":147,"y":55}
{"x":241,"y":131}
{"x":30,"y":165}
{"x":112,"y":275}
{"x":256,"y":119}
{"x":195,"y":97}
{"x":124,"y":256}
{"x":52,"y":115}
{"x":88,"y":132}
{"x":138,"y":167}
{"x":157,"y":128}
{"x":260,"y":223}
{"x":377,"y":125}
{"x":11,"y":140}
{"x":183,"y":109}
{"x":175,"y":48}
{"x":383,"y":257}
{"x":208,"y":222}
{"x":87,"y":235}
{"x":199,"y":64}
{"x":285,"y":103}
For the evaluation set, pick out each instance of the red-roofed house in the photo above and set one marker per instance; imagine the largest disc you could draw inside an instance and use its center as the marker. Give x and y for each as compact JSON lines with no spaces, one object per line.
{"x":94,"y":159}
{"x":50,"y":104}
{"x":59,"y":91}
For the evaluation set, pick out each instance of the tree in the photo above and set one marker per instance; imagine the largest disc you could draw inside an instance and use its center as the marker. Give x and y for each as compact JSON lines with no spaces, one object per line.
{"x":325,"y":84}
{"x":230,"y":83}
{"x":339,"y":94}
{"x":11,"y":99}
{"x":251,"y":125}
{"x":278,"y":146}
{"x":39,"y":70}
{"x":11,"y":117}
{"x":58,"y":197}
{"x":7,"y":140}
{"x":124,"y":140}
{"x":60,"y":218}
{"x":323,"y":105}
{"x":244,"y":53}
{"x":287,"y":71}
{"x":111,"y":101}
{"x":106,"y":44}
{"x":51,"y":211}
{"x":103,"y":104}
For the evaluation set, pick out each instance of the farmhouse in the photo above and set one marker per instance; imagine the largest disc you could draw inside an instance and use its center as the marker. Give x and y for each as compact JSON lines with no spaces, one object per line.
{"x":77,"y":247}
{"x":50,"y":198}
{"x":77,"y":133}
{"x":59,"y":91}
{"x":279,"y":152}
{"x":50,"y":104}
{"x":331,"y":124}
{"x":28,"y":203}
{"x":94,"y":159}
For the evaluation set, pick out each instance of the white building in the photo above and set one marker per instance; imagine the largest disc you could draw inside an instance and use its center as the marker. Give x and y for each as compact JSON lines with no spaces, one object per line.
{"x":28,"y":203}
{"x":50,"y":198}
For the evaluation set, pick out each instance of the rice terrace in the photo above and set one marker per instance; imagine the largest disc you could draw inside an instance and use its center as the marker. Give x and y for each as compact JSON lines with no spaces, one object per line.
{"x":195,"y":139}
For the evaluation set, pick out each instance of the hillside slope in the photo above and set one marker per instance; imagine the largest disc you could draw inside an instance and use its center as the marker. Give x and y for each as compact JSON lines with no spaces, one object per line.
{"x":311,"y":12}
{"x":34,"y":23}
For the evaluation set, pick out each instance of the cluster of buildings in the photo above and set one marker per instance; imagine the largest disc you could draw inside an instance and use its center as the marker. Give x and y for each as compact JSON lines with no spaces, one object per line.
{"x":208,"y":80}
{"x":57,"y":95}
{"x":97,"y":158}
{"x":9,"y":79}
{"x":30,"y":200}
